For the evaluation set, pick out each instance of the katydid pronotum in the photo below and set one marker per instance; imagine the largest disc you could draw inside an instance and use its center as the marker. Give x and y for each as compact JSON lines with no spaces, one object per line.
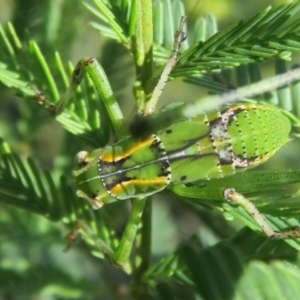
{"x":195,"y":146}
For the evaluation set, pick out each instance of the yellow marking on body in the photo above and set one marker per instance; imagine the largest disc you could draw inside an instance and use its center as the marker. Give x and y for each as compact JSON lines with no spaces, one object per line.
{"x":149,"y":182}
{"x":111,"y":157}
{"x":257,"y":161}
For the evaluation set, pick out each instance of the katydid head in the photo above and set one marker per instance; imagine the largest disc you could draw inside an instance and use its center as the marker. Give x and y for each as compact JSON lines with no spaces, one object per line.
{"x":88,"y":180}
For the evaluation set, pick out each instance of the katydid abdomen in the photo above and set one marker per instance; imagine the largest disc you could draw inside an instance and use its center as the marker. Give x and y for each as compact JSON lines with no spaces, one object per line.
{"x":211,"y":145}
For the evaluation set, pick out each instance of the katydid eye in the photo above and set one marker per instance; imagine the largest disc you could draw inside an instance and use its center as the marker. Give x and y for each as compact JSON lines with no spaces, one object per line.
{"x":78,"y":72}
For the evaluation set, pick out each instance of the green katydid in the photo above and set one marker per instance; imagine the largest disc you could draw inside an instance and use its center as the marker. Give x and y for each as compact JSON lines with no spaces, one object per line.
{"x":208,"y":145}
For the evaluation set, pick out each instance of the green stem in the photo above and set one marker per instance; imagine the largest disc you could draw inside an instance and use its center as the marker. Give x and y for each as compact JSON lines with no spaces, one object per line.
{"x":142,"y":43}
{"x":138,"y":288}
{"x":123,"y":252}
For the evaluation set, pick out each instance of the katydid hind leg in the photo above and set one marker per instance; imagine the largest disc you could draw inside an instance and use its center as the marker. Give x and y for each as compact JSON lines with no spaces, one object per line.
{"x":232,"y":196}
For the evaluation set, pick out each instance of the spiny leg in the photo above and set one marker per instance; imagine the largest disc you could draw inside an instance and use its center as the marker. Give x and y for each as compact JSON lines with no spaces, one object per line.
{"x":232,"y":196}
{"x":179,"y":37}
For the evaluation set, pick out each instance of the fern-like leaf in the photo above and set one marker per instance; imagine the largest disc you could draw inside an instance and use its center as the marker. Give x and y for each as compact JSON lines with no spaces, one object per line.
{"x":246,"y":42}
